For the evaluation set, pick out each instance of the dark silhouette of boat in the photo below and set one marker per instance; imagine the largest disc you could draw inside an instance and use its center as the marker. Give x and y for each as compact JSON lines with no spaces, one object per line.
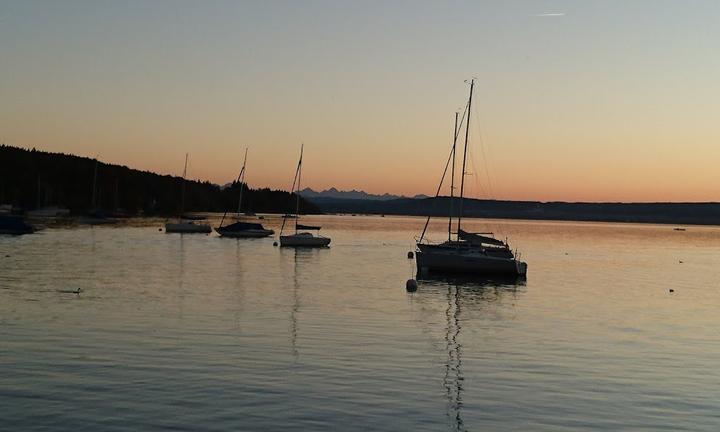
{"x":477,"y":253}
{"x":301,"y":237}
{"x":11,"y":224}
{"x":185,"y":225}
{"x":242,"y":229}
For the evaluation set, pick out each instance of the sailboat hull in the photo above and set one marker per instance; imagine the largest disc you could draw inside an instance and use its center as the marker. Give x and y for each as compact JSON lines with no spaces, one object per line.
{"x":304,"y":241}
{"x":187,"y":227}
{"x":449,"y":261}
{"x":251,"y":233}
{"x":14,"y":225}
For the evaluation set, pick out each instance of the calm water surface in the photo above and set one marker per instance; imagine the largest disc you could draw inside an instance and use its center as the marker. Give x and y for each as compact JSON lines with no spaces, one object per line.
{"x":195,"y":332}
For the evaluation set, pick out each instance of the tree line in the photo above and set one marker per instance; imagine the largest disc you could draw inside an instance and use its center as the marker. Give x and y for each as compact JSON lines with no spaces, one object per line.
{"x":31,"y":179}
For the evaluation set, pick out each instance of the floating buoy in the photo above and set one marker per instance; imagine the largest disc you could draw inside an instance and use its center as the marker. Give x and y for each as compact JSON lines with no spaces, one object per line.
{"x":411,"y":285}
{"x":410,"y":255}
{"x":274,"y":243}
{"x":672,"y":290}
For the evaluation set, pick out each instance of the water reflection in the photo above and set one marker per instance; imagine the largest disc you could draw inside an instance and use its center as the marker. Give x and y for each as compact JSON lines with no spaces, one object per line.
{"x":298,"y":254}
{"x":459,"y":297}
{"x":300,"y":257}
{"x":453,"y":373}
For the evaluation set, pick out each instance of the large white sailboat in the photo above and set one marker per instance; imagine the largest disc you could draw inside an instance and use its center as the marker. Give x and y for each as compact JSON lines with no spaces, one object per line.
{"x":242,"y":229}
{"x":184,"y":225}
{"x":476,"y":253}
{"x":303,"y":237}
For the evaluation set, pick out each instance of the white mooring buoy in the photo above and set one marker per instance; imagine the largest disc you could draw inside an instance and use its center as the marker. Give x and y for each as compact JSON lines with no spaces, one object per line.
{"x":411,"y":285}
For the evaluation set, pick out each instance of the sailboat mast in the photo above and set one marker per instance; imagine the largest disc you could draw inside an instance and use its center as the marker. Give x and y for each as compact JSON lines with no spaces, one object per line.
{"x":182,"y":189}
{"x":242,"y":182}
{"x":297,"y":193}
{"x":462,"y":176}
{"x":452,"y":176}
{"x":94,"y":193}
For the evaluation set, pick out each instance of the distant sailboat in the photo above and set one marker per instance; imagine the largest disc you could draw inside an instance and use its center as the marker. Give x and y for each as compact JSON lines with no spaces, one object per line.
{"x":95,"y":216}
{"x":183,"y":225}
{"x":478,"y":253}
{"x":242,"y":229}
{"x":301,"y":237}
{"x":45,"y":211}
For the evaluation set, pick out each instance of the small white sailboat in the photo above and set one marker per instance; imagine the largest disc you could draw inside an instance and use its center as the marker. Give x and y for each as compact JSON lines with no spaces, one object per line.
{"x":476,"y":253}
{"x":242,"y":229}
{"x":184,"y":225}
{"x":302,"y":236}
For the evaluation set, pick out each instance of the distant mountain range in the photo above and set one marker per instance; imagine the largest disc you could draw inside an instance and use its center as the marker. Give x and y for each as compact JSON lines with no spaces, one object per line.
{"x":353,"y":194}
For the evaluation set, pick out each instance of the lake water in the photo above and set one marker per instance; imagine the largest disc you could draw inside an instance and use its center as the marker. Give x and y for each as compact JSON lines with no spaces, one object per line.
{"x":197,"y":332}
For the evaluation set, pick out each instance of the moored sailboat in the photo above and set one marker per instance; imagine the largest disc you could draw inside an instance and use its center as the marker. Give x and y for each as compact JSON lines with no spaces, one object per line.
{"x":242,"y":229}
{"x":184,"y":225}
{"x":302,"y":236}
{"x":477,"y":253}
{"x":96,"y":216}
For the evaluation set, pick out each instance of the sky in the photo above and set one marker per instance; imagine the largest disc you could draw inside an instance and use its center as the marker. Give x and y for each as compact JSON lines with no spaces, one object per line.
{"x":574,"y":101}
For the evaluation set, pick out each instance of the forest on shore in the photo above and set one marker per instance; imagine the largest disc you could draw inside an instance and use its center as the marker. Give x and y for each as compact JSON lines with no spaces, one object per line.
{"x":31,"y":179}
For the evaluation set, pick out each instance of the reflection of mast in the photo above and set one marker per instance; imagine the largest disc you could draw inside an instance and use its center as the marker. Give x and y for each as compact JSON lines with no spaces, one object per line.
{"x":181,"y":276}
{"x":294,"y":311}
{"x":453,"y":373}
{"x":94,"y":190}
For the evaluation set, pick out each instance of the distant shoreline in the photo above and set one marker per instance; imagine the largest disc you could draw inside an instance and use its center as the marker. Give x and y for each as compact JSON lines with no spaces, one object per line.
{"x":652,"y":213}
{"x":72,"y":219}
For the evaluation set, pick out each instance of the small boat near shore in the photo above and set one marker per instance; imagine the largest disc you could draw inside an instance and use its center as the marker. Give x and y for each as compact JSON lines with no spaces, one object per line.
{"x":14,"y":225}
{"x":183,"y":225}
{"x":48,"y":212}
{"x":95,"y":216}
{"x":188,"y":227}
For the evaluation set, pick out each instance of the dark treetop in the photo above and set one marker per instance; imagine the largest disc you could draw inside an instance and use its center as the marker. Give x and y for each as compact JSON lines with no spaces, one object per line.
{"x":32,"y":178}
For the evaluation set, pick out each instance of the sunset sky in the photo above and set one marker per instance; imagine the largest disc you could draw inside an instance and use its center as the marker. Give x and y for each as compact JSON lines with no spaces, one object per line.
{"x":575,"y":101}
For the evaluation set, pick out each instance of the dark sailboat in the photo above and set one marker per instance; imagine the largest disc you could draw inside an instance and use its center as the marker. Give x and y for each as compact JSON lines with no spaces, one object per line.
{"x":476,"y":253}
{"x":96,"y":216}
{"x":186,"y":225}
{"x":301,"y":237}
{"x":12,"y":224}
{"x":242,"y":229}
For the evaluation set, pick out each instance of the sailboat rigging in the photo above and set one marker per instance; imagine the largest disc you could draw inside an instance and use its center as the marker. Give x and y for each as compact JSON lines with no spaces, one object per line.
{"x":479,"y":253}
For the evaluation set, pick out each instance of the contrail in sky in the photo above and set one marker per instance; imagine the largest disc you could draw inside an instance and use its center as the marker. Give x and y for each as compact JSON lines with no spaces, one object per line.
{"x":550,"y":14}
